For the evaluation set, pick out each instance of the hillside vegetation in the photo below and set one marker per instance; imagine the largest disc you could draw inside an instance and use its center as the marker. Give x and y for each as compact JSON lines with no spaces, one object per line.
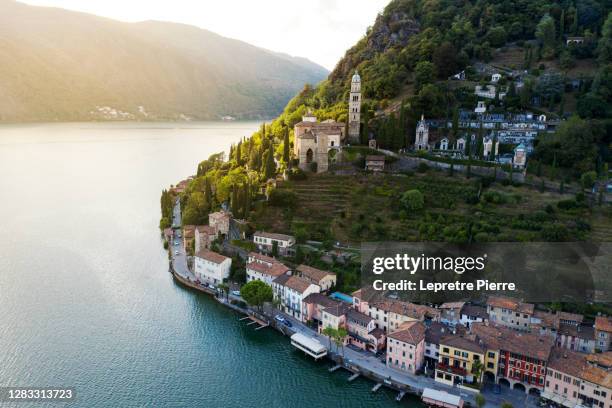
{"x":404,"y":61}
{"x":61,"y":65}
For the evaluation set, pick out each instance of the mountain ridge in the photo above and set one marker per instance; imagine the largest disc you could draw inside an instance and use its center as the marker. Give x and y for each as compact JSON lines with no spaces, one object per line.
{"x":60,"y":65}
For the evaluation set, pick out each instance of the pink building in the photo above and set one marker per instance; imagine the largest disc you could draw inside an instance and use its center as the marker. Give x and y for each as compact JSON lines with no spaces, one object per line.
{"x":574,"y":379}
{"x":314,"y":304}
{"x":406,"y":347}
{"x":363,"y":332}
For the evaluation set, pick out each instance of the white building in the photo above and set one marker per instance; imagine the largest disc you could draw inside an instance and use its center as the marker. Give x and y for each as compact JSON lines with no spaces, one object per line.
{"x":211,"y":267}
{"x":265,"y":242}
{"x":264,"y":268}
{"x":290,"y":292}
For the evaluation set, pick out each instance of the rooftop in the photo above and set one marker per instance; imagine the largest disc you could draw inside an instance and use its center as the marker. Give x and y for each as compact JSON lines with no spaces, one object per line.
{"x":338,"y":309}
{"x":211,"y":256}
{"x":410,"y":332}
{"x":272,"y":235}
{"x":320,"y":299}
{"x":603,"y":323}
{"x":511,"y":304}
{"x":503,"y":338}
{"x":566,"y":361}
{"x":463,"y":342}
{"x":275,"y":269}
{"x":313,"y":274}
{"x":296,"y":283}
{"x":475,"y":311}
{"x":358,"y":317}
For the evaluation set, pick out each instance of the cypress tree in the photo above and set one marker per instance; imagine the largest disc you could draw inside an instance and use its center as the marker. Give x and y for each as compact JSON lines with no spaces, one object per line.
{"x":286,"y":155}
{"x":247,"y":200}
{"x":239,"y":153}
{"x":561,"y":25}
{"x":270,"y":165}
{"x":562,"y":187}
{"x":455,"y":122}
{"x":364,"y":129}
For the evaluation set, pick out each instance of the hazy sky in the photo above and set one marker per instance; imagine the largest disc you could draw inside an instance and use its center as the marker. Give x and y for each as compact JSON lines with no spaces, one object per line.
{"x":320,"y":30}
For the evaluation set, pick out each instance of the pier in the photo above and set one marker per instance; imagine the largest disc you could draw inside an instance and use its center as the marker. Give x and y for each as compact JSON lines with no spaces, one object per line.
{"x":334,"y":368}
{"x":354,"y":376}
{"x":377,"y":387}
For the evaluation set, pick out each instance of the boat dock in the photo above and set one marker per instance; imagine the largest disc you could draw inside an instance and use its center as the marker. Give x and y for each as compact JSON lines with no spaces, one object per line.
{"x":334,"y":368}
{"x":377,"y":387}
{"x":400,"y":396}
{"x":354,"y":376}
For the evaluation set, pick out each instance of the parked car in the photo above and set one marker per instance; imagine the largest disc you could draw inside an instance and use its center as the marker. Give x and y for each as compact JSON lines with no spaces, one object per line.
{"x":279,"y":318}
{"x":236,"y":292}
{"x":212,"y":287}
{"x":176,"y":252}
{"x":287,"y":323}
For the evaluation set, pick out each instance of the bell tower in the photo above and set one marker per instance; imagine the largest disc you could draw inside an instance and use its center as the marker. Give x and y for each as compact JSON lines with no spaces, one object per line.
{"x":354,"y":116}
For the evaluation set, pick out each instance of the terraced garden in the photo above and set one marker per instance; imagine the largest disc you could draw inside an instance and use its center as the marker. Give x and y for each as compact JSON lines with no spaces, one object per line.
{"x":364,"y":207}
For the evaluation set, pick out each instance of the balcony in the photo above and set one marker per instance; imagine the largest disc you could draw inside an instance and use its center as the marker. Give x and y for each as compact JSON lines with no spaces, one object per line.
{"x":450,"y":369}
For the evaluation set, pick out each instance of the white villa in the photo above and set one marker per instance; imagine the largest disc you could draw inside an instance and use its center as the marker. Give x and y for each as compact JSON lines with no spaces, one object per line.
{"x":211,"y":267}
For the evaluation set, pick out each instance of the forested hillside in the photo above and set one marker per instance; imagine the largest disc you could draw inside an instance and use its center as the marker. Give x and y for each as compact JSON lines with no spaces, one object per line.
{"x":406,"y":61}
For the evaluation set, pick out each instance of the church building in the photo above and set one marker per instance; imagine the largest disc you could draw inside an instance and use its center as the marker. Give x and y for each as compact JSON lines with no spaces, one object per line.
{"x":315,"y":140}
{"x":318,"y":142}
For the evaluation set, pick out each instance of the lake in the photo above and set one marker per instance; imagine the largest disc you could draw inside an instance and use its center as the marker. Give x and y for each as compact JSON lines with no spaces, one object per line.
{"x":86,"y":300}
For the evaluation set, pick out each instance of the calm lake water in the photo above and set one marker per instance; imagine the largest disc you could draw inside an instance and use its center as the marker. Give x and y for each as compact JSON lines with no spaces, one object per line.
{"x":86,"y":299}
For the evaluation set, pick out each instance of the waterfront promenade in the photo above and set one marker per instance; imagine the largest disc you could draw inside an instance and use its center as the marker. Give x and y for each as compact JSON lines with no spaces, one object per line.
{"x":363,"y":362}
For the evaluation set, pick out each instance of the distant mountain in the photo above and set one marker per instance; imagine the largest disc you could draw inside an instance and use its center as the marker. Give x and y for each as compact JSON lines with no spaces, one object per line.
{"x":62,"y":65}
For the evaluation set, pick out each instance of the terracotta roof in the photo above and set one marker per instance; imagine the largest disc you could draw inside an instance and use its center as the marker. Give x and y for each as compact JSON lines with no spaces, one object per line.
{"x":320,"y":299}
{"x":358,"y":317}
{"x":566,"y":361}
{"x":475,"y":311}
{"x":188,"y":231}
{"x":276,"y":269}
{"x":603,"y":323}
{"x":409,"y":332}
{"x":337,"y":310}
{"x":452,"y":305}
{"x":503,"y":338}
{"x":272,"y":235}
{"x":406,"y":308}
{"x":293,"y":282}
{"x":206,"y":229}
{"x":597,"y":376}
{"x":314,"y":274}
{"x":211,"y":256}
{"x":463,"y":342}
{"x":511,"y":304}
{"x":261,"y":257}
{"x":368,"y":294}
{"x":601,"y":359}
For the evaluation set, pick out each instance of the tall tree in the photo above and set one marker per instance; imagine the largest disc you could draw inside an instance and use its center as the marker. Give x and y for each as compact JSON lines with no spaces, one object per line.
{"x":286,"y":154}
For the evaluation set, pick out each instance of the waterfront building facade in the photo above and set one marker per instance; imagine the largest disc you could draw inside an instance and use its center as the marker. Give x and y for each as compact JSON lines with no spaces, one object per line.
{"x":406,"y":347}
{"x":220,"y":221}
{"x":603,"y":333}
{"x":460,"y":356}
{"x":265,"y":271}
{"x":211,"y":267}
{"x":290,"y":291}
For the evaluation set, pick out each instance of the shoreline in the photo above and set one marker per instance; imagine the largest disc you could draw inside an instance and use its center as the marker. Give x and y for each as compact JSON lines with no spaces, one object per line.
{"x":339,"y":361}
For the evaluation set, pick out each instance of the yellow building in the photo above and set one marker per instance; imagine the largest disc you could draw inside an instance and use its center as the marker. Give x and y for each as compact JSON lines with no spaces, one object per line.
{"x":461,"y":360}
